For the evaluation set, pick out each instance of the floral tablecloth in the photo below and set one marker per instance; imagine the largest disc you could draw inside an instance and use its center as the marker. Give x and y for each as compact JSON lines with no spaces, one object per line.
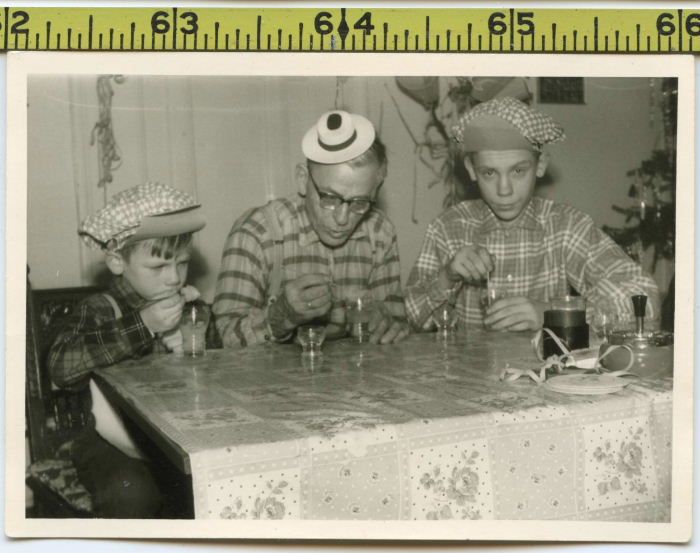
{"x":419,"y":430}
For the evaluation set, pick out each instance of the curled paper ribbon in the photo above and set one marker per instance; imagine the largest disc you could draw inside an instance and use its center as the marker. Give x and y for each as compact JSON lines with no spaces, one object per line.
{"x":557,"y":363}
{"x":509,"y":374}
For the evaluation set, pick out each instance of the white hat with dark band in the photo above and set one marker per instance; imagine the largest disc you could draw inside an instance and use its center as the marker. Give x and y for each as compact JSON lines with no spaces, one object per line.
{"x":337,"y":137}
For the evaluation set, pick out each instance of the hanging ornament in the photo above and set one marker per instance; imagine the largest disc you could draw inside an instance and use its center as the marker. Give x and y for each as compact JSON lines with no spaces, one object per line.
{"x":424,"y":90}
{"x":488,"y":88}
{"x":339,"y":92}
{"x":108,"y":158}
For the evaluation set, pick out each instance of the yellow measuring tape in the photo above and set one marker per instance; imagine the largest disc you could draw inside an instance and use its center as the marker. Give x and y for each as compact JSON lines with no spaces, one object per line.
{"x":352,"y":29}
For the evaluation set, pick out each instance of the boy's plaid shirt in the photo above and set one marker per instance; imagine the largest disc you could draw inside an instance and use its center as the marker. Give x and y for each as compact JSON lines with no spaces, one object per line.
{"x":241,"y":299}
{"x":94,"y":338}
{"x":551,"y":247}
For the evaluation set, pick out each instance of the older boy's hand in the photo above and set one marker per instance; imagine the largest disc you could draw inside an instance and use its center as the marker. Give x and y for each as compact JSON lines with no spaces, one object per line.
{"x":163,"y":315}
{"x":472,"y":264}
{"x":513,"y":314}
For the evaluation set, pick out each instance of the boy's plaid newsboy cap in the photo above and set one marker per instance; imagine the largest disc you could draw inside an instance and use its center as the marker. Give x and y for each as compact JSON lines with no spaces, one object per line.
{"x":505,"y":124}
{"x":150,"y":210}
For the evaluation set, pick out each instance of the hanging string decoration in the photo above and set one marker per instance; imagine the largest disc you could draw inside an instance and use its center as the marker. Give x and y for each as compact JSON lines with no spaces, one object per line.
{"x":108,"y":154}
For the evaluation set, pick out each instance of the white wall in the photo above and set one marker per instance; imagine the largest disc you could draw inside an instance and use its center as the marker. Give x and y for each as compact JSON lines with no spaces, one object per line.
{"x":233,"y":143}
{"x":606,"y":137}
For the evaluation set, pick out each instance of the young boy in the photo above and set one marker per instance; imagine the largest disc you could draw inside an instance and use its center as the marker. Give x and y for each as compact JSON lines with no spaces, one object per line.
{"x":531,"y":249}
{"x":145,"y":233}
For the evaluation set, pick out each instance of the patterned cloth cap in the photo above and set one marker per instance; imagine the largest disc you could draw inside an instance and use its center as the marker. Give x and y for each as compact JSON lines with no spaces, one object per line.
{"x":149,"y":210}
{"x":503,"y":124}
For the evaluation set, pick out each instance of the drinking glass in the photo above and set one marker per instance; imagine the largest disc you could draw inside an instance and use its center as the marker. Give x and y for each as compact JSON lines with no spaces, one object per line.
{"x":445,"y":316}
{"x":359,"y":313}
{"x":193,"y":327}
{"x":488,"y":295}
{"x":311,"y":338}
{"x":604,"y":322}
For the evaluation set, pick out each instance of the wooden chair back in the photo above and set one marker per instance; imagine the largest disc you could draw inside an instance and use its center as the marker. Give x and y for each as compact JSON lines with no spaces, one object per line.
{"x":54,"y":416}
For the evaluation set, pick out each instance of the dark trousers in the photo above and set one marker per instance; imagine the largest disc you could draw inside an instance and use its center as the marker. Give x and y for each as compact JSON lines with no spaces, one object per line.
{"x":121,"y":487}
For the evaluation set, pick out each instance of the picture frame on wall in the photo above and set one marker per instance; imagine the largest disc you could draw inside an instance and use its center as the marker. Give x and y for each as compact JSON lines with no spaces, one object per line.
{"x":561,"y":90}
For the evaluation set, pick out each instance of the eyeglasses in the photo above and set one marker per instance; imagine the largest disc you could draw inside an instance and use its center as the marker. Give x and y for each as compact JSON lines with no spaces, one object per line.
{"x":328,"y":200}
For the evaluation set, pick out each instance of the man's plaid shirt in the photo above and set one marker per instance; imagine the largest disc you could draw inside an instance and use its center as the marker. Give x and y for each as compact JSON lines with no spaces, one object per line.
{"x":551,"y":247}
{"x":369,"y":259}
{"x":94,"y":338}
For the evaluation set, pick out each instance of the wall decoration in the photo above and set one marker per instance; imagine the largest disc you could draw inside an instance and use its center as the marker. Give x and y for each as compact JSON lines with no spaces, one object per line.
{"x":108,"y":157}
{"x":560,"y":90}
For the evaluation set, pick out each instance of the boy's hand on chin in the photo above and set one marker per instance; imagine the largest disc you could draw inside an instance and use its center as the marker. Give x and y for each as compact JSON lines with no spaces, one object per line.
{"x":189,"y":293}
{"x":163,"y":315}
{"x":173,"y":340}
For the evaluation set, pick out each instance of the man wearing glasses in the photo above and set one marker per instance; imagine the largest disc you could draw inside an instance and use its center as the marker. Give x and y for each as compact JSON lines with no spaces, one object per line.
{"x":290,"y":263}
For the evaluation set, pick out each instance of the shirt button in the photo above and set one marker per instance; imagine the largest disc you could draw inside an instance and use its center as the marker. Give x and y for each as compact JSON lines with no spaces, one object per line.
{"x":267,"y":337}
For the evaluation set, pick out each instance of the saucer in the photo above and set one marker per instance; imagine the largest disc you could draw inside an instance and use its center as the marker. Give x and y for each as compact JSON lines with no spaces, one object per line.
{"x":585,"y":384}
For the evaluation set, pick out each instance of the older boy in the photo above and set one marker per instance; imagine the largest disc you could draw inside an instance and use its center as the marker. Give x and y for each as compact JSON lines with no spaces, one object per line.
{"x":530,"y":249}
{"x":291,"y":262}
{"x":145,"y":233}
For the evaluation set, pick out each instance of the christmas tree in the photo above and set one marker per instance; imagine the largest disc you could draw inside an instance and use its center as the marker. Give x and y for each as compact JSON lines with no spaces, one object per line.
{"x":649,"y":226}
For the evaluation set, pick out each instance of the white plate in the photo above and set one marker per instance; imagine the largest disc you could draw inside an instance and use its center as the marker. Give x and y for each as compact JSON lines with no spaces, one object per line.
{"x":585,"y":384}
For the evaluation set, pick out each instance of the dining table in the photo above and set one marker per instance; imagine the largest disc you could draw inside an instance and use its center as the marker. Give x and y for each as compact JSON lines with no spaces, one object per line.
{"x":422,"y":429}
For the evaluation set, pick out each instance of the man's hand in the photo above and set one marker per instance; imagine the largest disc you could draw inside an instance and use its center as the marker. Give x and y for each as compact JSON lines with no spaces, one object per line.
{"x":472,"y":264}
{"x":309,"y":296}
{"x":513,"y":314}
{"x":163,"y":315}
{"x":384,"y":329}
{"x":173,"y":341}
{"x":305,"y":298}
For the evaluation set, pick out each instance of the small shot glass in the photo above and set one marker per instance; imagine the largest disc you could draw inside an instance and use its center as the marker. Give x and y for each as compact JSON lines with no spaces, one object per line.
{"x":488,"y":295}
{"x":311,"y":338}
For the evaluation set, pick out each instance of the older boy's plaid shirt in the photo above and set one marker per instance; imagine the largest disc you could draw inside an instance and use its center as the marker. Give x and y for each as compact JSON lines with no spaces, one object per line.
{"x":369,"y":259}
{"x":94,"y":338}
{"x":550,"y":247}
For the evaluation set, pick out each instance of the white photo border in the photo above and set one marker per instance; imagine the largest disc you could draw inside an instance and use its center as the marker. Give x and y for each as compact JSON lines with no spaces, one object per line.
{"x":22,"y":65}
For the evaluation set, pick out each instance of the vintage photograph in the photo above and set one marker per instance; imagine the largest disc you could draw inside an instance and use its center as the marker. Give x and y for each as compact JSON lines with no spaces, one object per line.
{"x":431,"y":292}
